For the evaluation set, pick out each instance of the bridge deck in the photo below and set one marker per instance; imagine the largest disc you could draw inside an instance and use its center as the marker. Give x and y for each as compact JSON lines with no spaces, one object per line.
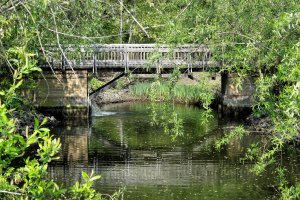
{"x":128,"y":57}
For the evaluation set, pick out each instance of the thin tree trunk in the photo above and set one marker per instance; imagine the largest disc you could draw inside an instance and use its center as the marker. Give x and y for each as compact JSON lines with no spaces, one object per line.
{"x":121,"y":23}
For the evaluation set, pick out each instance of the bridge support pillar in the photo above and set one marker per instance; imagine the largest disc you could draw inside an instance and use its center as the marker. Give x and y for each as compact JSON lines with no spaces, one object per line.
{"x":64,"y":94}
{"x":237,"y":93}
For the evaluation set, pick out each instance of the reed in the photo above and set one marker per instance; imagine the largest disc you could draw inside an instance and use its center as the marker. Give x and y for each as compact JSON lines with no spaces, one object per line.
{"x":140,"y":89}
{"x":165,"y":91}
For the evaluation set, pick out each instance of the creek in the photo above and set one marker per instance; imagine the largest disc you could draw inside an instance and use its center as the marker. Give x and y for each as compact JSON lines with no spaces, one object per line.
{"x":120,"y":144}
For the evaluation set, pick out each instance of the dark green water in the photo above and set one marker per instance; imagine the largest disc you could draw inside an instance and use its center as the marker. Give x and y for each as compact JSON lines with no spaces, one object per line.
{"x":122,"y":146}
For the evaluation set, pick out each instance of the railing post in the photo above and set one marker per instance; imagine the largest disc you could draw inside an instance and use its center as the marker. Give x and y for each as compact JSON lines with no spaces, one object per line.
{"x":189,"y":61}
{"x":94,"y":63}
{"x":126,"y":57}
{"x":206,"y":57}
{"x":158,"y":71}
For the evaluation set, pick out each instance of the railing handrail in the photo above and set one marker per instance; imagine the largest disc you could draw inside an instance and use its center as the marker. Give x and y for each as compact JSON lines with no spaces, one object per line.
{"x":129,"y":55}
{"x":129,"y":47}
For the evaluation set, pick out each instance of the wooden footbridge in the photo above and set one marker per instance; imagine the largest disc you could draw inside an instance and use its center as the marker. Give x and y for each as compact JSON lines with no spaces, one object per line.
{"x":136,"y":58}
{"x":66,"y":85}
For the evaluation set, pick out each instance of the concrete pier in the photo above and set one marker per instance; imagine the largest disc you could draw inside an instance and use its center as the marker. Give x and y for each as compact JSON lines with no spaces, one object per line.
{"x":63,"y":94}
{"x":237,"y":93}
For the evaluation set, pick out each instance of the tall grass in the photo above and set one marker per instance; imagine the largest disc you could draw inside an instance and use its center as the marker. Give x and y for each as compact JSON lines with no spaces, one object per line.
{"x":164,"y":91}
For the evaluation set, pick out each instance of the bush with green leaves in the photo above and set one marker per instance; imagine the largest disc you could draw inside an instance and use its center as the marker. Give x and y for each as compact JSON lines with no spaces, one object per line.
{"x":258,"y":38}
{"x":24,"y":158}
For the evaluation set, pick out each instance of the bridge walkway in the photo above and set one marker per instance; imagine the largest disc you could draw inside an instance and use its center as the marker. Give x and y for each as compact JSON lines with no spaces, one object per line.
{"x":129,"y":57}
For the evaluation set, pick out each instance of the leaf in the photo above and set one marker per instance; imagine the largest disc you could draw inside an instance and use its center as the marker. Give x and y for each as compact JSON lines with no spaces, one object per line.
{"x":44,"y":121}
{"x":95,"y":178}
{"x":45,"y":2}
{"x":44,"y":130}
{"x":36,"y":69}
{"x":32,"y":139}
{"x":84,"y":175}
{"x":19,"y":84}
{"x":36,"y":123}
{"x":26,"y":131}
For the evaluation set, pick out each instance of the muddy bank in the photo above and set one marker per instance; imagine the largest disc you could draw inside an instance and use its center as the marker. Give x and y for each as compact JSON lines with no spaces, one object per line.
{"x":115,"y":96}
{"x":259,"y":124}
{"x":264,"y":125}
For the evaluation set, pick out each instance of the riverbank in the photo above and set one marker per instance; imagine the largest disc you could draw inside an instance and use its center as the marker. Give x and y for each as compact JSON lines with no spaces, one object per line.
{"x":115,"y":96}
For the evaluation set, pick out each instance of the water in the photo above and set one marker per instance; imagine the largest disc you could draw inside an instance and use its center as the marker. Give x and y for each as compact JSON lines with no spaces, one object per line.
{"x":127,"y":151}
{"x":97,"y":112}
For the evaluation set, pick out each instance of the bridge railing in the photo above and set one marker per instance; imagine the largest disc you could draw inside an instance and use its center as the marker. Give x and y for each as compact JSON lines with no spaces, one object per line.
{"x":127,"y":56}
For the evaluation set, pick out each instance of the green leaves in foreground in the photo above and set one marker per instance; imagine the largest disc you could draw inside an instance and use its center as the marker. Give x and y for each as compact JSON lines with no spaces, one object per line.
{"x":24,"y":160}
{"x":84,"y":191}
{"x":24,"y":157}
{"x":21,"y":170}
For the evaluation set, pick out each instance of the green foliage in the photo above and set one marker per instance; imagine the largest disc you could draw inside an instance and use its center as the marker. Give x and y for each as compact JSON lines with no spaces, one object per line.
{"x":84,"y":191}
{"x":24,"y":158}
{"x":13,"y":146}
{"x":238,"y":133}
{"x":24,"y":64}
{"x":167,"y":118}
{"x":287,"y":192}
{"x":259,"y":38}
{"x":94,"y":84}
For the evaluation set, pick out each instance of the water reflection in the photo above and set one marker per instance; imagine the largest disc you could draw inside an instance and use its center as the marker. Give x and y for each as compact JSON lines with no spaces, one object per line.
{"x":127,"y":151}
